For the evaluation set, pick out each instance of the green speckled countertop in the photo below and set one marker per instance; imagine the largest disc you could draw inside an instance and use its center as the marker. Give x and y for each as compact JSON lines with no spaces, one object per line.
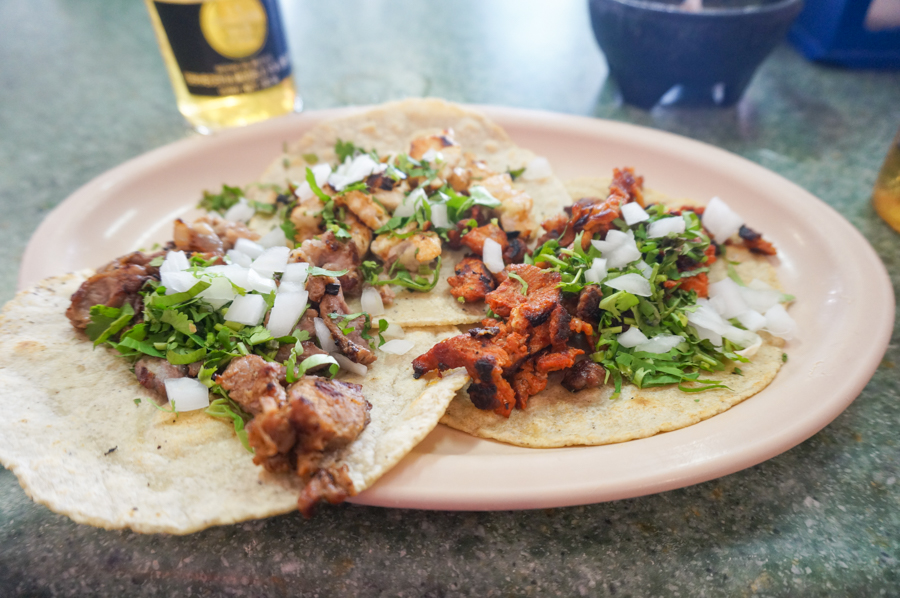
{"x":83,"y":88}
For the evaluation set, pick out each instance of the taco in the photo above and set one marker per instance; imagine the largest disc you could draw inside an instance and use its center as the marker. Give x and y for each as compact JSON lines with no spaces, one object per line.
{"x":455,"y":154}
{"x":574,"y":356}
{"x":86,"y":439}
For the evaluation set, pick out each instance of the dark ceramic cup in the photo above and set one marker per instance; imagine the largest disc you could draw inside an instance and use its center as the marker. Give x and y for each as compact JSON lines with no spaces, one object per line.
{"x":660,"y":53}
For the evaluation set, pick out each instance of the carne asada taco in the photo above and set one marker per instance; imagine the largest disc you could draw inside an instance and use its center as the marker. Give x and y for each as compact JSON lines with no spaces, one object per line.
{"x":86,"y":439}
{"x":629,"y":319}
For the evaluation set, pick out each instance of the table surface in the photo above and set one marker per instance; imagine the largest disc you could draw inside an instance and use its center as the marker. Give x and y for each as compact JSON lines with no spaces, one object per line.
{"x":83,"y":88}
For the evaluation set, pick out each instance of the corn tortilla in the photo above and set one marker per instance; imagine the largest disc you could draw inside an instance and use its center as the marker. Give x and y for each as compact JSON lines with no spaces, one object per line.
{"x":79,"y":444}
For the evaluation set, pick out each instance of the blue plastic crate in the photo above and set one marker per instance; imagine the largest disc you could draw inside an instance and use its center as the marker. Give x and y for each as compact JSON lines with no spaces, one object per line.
{"x":838,"y":31}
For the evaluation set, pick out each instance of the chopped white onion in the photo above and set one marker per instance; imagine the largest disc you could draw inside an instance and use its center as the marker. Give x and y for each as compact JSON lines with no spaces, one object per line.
{"x":779,"y":323}
{"x":273,"y":259}
{"x":240,"y":212}
{"x":247,"y":309}
{"x":492,"y":256}
{"x":274,"y":238}
{"x":619,"y":248}
{"x":355,"y":170}
{"x":752,"y":349}
{"x":286,"y":312}
{"x":321,"y":172}
{"x":393,"y":331}
{"x":739,"y":336}
{"x":665,"y":226}
{"x":439,"y":215}
{"x":371,"y":302}
{"x":219,"y":292}
{"x":632,"y":337}
{"x":646,"y":270}
{"x":661,"y":343}
{"x":187,"y":394}
{"x":760,"y":296}
{"x":397,"y":346}
{"x":296,"y":272}
{"x":725,"y":296}
{"x":720,"y":220}
{"x":175,"y":261}
{"x":256,"y":282}
{"x":249,"y":248}
{"x":177,"y":282}
{"x":326,"y":341}
{"x":751,"y":320}
{"x":286,"y":286}
{"x":236,"y":274}
{"x":633,"y":213}
{"x":239,"y":257}
{"x":632,"y":283}
{"x":597,"y":272}
{"x":408,"y":206}
{"x":705,"y":316}
{"x":352,"y":367}
{"x":432,"y":155}
{"x":537,"y":168}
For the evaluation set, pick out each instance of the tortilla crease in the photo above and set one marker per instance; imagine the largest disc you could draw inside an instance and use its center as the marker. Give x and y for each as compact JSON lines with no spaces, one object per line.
{"x":390,"y":128}
{"x":79,"y":444}
{"x":556,"y":417}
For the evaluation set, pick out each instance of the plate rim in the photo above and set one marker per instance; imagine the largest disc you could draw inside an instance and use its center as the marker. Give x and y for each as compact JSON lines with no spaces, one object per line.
{"x":402,"y":486}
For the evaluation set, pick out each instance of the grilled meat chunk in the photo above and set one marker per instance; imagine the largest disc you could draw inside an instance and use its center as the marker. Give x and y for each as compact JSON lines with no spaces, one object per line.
{"x":584,"y":374}
{"x":475,"y":238}
{"x":254,"y":383}
{"x":589,"y":304}
{"x":754,"y":241}
{"x":595,"y":215}
{"x":352,"y":344}
{"x":494,"y":354}
{"x":113,"y":285}
{"x":361,"y":204}
{"x":319,"y":418}
{"x":472,"y":280}
{"x":327,"y":252}
{"x":152,"y":373}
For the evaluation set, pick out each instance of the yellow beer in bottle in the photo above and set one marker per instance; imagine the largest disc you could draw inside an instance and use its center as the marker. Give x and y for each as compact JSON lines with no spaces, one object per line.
{"x":886,"y":194}
{"x":227,"y":59}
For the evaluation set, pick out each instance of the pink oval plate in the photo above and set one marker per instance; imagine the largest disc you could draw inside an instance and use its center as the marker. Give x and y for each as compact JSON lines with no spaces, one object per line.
{"x":844,"y":304}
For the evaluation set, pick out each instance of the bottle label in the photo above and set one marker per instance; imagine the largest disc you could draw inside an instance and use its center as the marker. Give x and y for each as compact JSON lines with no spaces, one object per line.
{"x":226,"y":47}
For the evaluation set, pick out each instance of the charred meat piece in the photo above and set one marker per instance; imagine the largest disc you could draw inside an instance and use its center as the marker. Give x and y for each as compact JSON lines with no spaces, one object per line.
{"x":228,"y":231}
{"x":535,"y":308}
{"x":594,"y":215}
{"x":755,"y":243}
{"x":515,"y":251}
{"x":319,"y":418}
{"x":472,"y":280}
{"x":589,"y":304}
{"x":113,"y":286}
{"x":370,"y":213}
{"x":352,"y":344}
{"x":327,"y":252}
{"x":197,"y":237}
{"x":254,"y":383}
{"x":584,"y":374}
{"x":484,"y":361}
{"x":475,"y":238}
{"x":152,"y":373}
{"x":493,"y":354}
{"x":331,"y":484}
